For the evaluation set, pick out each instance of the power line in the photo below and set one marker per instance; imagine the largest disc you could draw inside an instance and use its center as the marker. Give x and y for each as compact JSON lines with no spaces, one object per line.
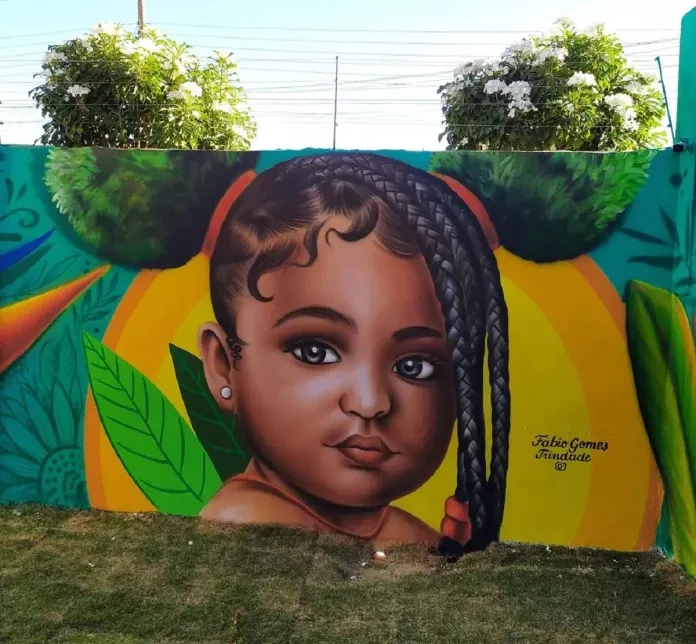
{"x":395,"y":31}
{"x":399,"y":43}
{"x":273,"y":100}
{"x":225,"y":46}
{"x":420,"y":123}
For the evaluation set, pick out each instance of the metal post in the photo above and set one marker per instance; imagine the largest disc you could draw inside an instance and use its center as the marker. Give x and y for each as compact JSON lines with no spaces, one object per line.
{"x":141,"y":16}
{"x":664,"y":93}
{"x":335,"y":105}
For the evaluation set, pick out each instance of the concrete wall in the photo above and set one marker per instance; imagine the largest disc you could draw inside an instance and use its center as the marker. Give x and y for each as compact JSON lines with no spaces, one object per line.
{"x":396,"y":346}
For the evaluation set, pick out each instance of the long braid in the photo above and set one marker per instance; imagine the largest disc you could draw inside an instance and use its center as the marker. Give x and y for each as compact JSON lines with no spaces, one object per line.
{"x":498,"y":357}
{"x":436,"y":218}
{"x":471,"y":458}
{"x":498,"y":350}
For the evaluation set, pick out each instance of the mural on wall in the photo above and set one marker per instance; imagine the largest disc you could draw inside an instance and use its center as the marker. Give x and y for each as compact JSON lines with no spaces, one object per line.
{"x":451,"y":348}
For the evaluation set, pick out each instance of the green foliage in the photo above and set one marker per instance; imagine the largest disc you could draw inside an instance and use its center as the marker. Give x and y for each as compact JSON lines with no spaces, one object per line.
{"x":567,"y":90}
{"x":15,"y":211}
{"x":220,"y":434}
{"x":111,"y":88}
{"x":150,"y":208}
{"x":664,"y":366}
{"x":41,"y":457}
{"x":553,"y":206}
{"x":156,"y":446}
{"x":675,"y":253}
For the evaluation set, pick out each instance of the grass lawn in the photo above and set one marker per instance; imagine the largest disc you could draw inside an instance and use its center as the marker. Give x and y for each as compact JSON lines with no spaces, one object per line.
{"x":121,"y":579}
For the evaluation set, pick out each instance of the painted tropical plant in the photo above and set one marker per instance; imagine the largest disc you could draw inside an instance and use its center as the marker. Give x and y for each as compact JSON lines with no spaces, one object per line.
{"x":663,"y":357}
{"x":147,"y":208}
{"x":219,"y":434}
{"x":675,"y":251}
{"x":178,"y":468}
{"x":549,"y":206}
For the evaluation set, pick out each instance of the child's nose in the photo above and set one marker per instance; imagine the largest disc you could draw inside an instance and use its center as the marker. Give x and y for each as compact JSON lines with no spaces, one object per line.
{"x":367,"y":395}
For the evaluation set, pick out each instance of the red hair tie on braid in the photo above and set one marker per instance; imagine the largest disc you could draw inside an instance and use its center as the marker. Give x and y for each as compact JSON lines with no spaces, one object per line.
{"x":455,"y":524}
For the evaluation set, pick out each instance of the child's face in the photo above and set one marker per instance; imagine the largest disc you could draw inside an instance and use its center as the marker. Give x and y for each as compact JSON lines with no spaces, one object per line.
{"x":344,"y":387}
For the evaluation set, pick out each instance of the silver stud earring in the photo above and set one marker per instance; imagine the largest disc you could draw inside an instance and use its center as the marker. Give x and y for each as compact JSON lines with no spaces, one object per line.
{"x":226,"y":393}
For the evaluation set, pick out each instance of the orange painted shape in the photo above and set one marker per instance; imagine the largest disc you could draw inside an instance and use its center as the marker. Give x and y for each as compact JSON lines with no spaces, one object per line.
{"x":92,"y":423}
{"x":596,"y":277}
{"x":653,"y":500}
{"x":22,"y":324}
{"x":476,"y":206}
{"x":223,"y":208}
{"x":140,"y":332}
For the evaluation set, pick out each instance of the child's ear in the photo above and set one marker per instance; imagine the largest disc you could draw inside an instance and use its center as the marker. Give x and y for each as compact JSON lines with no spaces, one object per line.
{"x":217,"y":365}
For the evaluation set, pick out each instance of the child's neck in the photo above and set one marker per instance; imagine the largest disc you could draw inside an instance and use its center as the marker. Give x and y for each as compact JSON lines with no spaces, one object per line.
{"x":350,"y":520}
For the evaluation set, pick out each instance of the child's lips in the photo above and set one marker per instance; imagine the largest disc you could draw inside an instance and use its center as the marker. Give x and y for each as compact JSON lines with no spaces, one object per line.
{"x":365,"y":450}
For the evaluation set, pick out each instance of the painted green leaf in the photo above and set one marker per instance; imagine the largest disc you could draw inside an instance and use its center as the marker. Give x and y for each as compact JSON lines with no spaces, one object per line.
{"x":642,"y":236}
{"x":220,"y":434}
{"x":664,"y":367}
{"x":658,"y":261}
{"x":156,"y":446}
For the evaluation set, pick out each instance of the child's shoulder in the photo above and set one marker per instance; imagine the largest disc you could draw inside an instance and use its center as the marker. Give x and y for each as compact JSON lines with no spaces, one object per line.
{"x":244,"y":501}
{"x":403,"y":527}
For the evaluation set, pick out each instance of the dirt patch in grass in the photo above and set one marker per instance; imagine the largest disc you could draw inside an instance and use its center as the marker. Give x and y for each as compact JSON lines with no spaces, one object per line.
{"x":129,"y":579}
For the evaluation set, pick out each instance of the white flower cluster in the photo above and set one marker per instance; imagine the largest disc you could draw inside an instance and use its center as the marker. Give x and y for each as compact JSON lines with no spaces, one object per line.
{"x":522,"y":48}
{"x":518,"y":91}
{"x":128,"y":48}
{"x":49,"y":63}
{"x":146,"y":46}
{"x":226,"y":108}
{"x":181,"y":64}
{"x":637,"y":88}
{"x":579,"y":79}
{"x":77,"y":90}
{"x":140,"y":46}
{"x":106,"y":28}
{"x":187,"y":90}
{"x":52,"y":57}
{"x":494,"y":86}
{"x":622,"y":104}
{"x":480,"y":65}
{"x":528,"y":52}
{"x":594,"y":30}
{"x":559,"y":53}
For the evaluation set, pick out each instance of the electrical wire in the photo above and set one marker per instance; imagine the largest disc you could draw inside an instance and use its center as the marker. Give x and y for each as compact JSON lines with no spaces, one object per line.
{"x":394,"y":31}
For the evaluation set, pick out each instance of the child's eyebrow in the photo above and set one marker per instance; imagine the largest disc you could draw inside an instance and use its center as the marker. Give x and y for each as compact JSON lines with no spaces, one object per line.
{"x":415,"y":332}
{"x":321,"y":312}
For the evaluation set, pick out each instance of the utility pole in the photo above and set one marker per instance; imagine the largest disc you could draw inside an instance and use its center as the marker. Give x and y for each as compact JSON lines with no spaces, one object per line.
{"x":141,"y":16}
{"x":664,"y":93}
{"x":335,"y":105}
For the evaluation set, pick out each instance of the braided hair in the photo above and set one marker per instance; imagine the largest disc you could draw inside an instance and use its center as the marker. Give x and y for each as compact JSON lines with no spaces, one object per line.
{"x":412,"y":212}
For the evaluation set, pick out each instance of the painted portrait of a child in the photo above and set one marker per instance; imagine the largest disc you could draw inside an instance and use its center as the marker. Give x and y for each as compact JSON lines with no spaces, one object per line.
{"x":353,"y":297}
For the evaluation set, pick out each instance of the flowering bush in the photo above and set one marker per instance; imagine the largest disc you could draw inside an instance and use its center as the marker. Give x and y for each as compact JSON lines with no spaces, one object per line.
{"x":111,"y":88}
{"x":566,"y":90}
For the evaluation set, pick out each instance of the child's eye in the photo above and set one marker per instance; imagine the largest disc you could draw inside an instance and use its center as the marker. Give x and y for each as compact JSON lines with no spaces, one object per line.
{"x":314,"y":352}
{"x":415,"y":368}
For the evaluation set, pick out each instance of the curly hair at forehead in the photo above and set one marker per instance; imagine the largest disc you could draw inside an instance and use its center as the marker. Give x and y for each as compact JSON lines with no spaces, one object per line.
{"x":411,"y":213}
{"x":271,"y":221}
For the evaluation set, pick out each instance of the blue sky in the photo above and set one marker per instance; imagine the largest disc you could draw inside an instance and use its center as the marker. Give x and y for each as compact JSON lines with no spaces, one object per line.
{"x":286,"y":52}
